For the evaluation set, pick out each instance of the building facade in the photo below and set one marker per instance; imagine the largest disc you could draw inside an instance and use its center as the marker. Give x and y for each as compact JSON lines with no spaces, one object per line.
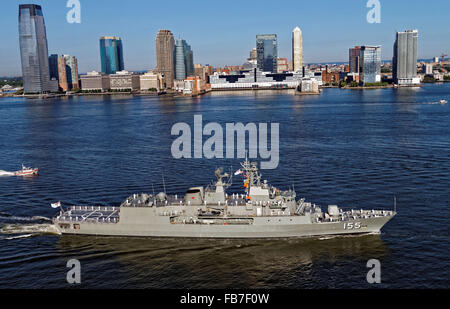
{"x":65,"y":70}
{"x":267,"y":52}
{"x":150,"y":81}
{"x":297,"y":49}
{"x":111,"y":54}
{"x":254,"y":79}
{"x":404,"y":63}
{"x":124,"y":80}
{"x":184,"y":60}
{"x":370,"y":64}
{"x":95,"y":81}
{"x":283,"y":65}
{"x":353,"y":59}
{"x":165,"y":63}
{"x":33,"y":49}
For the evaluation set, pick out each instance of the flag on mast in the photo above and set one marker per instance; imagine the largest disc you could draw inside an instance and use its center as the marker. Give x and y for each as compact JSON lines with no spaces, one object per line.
{"x":56,"y":205}
{"x":238,"y":172}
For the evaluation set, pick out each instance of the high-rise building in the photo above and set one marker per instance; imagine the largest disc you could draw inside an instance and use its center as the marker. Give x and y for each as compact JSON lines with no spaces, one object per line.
{"x":267,"y":51}
{"x":404,"y":63}
{"x":111,"y":54}
{"x":184,"y":60}
{"x":354,"y":54}
{"x":71,"y":71}
{"x":165,"y":62}
{"x":33,"y":49}
{"x":253,"y":54}
{"x":370,"y":64}
{"x":297,"y":49}
{"x":65,"y":70}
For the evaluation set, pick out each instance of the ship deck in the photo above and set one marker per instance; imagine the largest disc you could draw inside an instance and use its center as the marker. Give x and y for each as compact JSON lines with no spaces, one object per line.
{"x":101,"y":214}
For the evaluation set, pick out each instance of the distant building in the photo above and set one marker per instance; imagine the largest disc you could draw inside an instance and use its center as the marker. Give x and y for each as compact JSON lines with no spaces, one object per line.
{"x":124,"y":80}
{"x":297,"y":49}
{"x":33,"y":49}
{"x":309,"y":85}
{"x":95,"y":81}
{"x":165,"y":62}
{"x":354,"y":54}
{"x":427,"y":69}
{"x":64,"y":69}
{"x":253,"y":54}
{"x":283,"y":65}
{"x":111,"y":54}
{"x":436,"y":59}
{"x":267,"y":52}
{"x":254,"y":79}
{"x":184,"y":60}
{"x":405,"y":58}
{"x":150,"y":80}
{"x":194,"y":85}
{"x":370,"y":64}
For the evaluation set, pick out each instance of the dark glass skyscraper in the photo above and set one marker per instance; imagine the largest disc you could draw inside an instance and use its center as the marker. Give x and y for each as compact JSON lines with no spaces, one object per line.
{"x":184,"y":60}
{"x":111,"y":54}
{"x":33,"y":49}
{"x":267,"y":50}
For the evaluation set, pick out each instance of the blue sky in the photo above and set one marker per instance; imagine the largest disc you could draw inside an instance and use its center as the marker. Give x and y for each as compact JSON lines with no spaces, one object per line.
{"x":223,"y":31}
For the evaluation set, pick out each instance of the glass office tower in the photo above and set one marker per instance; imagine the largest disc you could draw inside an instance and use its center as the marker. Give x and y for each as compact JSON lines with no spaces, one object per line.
{"x":111,"y":54}
{"x":370,"y":64}
{"x":267,"y":51}
{"x":184,"y":60}
{"x":33,"y":49}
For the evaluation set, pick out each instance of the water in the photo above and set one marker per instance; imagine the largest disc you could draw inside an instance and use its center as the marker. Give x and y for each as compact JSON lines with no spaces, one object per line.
{"x":351,"y":148}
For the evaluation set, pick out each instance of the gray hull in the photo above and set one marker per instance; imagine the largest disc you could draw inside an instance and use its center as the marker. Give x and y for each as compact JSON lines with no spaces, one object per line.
{"x":146,"y":225}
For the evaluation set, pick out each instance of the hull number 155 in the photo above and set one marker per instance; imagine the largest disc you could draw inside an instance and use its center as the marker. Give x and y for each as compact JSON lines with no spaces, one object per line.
{"x":352,"y":226}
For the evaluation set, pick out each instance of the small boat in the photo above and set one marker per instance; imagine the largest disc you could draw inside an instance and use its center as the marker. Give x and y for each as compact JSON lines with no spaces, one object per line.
{"x":443,"y":102}
{"x":27,"y":171}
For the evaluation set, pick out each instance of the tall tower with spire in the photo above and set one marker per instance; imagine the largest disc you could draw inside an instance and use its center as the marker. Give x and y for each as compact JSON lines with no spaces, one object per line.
{"x":297,"y":49}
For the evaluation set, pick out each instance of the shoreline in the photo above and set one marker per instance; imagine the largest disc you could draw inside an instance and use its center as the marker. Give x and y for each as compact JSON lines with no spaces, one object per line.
{"x":174,"y":94}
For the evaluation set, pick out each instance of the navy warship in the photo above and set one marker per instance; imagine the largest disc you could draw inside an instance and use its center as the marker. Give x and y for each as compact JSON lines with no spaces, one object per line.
{"x":261,"y":211}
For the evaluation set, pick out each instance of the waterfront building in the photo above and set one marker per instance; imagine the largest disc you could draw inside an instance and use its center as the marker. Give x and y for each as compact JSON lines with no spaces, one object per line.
{"x":165,"y":63}
{"x":95,"y":81}
{"x":404,"y":68}
{"x":184,"y":60}
{"x":193,"y":85}
{"x":111,"y":54}
{"x":254,"y":79}
{"x":370,"y":64}
{"x":353,"y":61}
{"x":309,"y":85}
{"x":282,"y":65}
{"x":64,"y":69}
{"x":427,"y":69}
{"x":72,"y":71}
{"x":150,"y":80}
{"x":124,"y":80}
{"x":33,"y":49}
{"x":267,"y":52}
{"x":297,"y":49}
{"x":58,"y":72}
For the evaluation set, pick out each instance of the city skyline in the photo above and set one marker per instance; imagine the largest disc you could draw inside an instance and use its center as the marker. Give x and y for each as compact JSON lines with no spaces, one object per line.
{"x":218,"y":44}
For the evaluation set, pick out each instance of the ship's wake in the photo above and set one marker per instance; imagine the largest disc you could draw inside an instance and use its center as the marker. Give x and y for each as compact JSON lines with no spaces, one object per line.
{"x":13,"y":227}
{"x":5,"y":173}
